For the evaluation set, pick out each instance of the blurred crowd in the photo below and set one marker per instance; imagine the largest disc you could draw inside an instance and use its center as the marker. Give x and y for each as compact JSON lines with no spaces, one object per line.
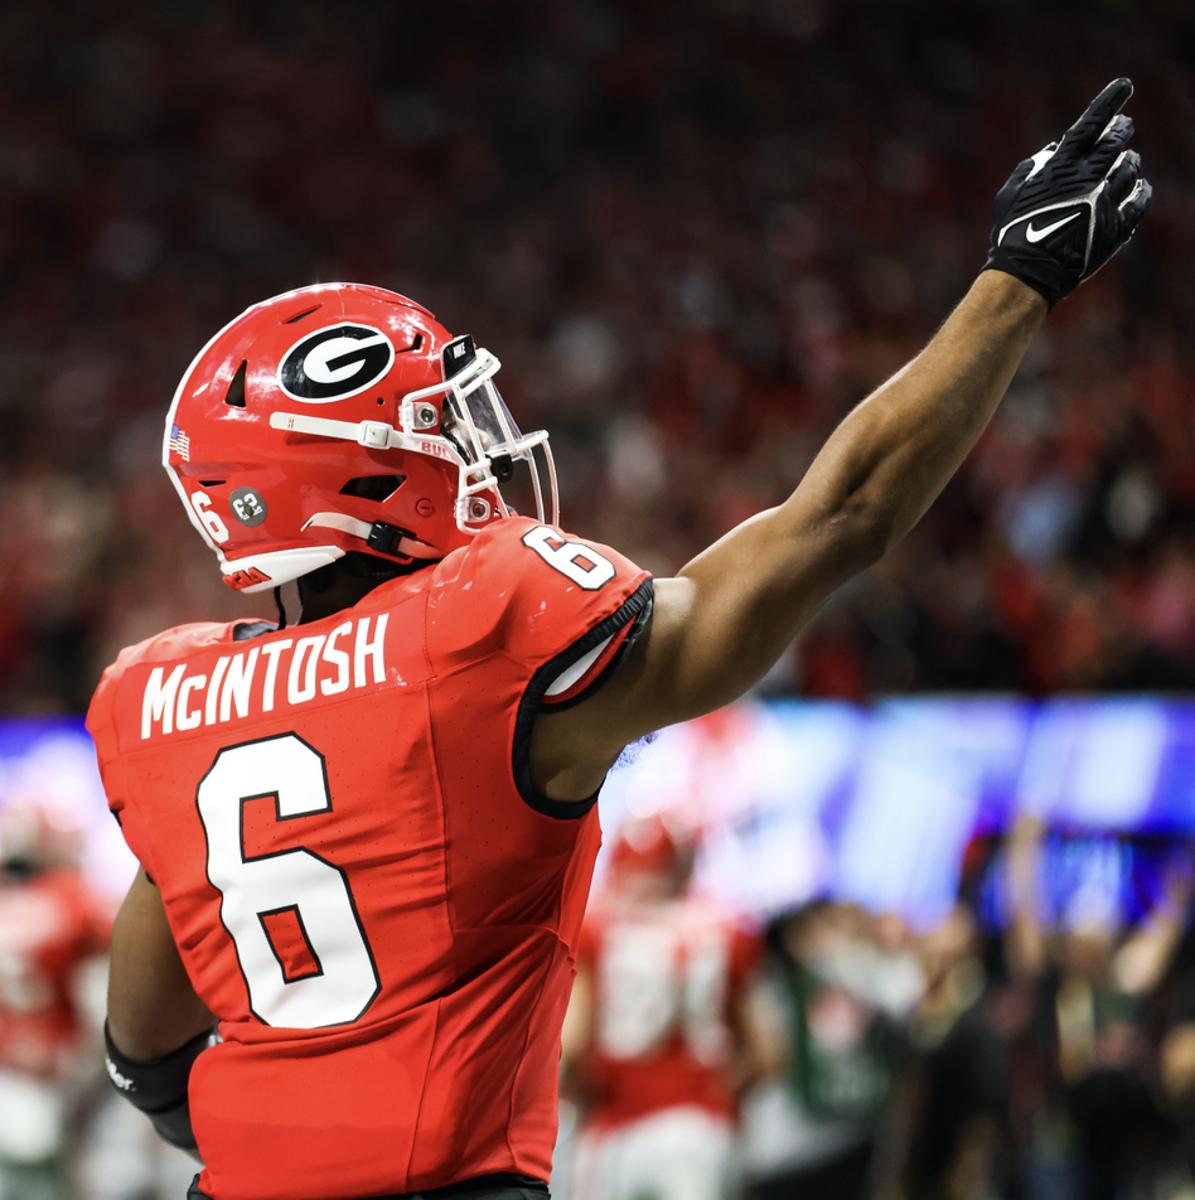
{"x":852,"y":1057}
{"x":695,"y":233}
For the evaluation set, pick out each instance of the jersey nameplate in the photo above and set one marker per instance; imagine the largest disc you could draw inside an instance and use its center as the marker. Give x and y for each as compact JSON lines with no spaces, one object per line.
{"x":256,"y":679}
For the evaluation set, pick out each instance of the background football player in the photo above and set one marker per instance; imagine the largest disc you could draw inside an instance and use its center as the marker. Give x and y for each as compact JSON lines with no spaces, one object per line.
{"x":661,"y":1033}
{"x":366,"y":840}
{"x":52,"y":930}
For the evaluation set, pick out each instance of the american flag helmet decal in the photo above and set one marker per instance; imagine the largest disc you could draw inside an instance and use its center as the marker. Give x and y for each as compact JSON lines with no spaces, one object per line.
{"x":179,"y":443}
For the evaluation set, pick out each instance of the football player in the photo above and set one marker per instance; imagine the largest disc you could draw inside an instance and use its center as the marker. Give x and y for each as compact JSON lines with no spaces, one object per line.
{"x":661,"y":1032}
{"x":53,"y":929}
{"x":366,"y":838}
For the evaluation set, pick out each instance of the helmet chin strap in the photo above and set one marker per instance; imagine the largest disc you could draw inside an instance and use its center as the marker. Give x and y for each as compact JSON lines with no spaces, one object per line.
{"x":378,"y":535}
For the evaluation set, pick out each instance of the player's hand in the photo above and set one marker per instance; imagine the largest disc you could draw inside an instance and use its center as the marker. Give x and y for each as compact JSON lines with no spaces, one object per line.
{"x":1064,"y":212}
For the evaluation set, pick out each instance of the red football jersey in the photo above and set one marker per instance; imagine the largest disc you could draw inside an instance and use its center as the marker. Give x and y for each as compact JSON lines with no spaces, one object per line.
{"x":363,"y":883}
{"x":666,"y":979}
{"x":49,"y":924}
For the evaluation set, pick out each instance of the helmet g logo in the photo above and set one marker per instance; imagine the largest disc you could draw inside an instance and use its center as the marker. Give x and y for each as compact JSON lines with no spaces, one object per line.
{"x":335,"y":363}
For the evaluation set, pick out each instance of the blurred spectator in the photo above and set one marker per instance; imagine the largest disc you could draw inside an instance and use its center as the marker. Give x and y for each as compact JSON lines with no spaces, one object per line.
{"x":959,"y":1136}
{"x":695,"y":234}
{"x":1095,"y":980}
{"x":847,"y":983}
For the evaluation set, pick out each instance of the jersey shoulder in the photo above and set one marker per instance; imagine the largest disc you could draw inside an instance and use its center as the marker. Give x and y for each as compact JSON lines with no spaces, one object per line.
{"x":531,"y":591}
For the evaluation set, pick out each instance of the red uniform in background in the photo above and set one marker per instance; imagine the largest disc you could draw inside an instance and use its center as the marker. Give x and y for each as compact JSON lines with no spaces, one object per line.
{"x":666,"y":982}
{"x":362,"y":881}
{"x":50,"y":923}
{"x":658,"y":1039}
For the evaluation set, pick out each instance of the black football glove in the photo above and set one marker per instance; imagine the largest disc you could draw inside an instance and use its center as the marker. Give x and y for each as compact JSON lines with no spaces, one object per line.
{"x":1064,"y":212}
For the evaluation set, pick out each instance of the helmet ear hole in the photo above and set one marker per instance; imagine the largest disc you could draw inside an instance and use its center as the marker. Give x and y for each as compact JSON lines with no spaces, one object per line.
{"x":373,"y":487}
{"x":235,"y":396}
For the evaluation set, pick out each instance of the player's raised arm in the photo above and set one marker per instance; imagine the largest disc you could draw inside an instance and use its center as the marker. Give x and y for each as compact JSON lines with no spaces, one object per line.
{"x":730,"y":613}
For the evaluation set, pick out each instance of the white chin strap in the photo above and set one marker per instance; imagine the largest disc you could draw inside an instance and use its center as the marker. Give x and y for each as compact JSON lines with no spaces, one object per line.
{"x":474,"y":478}
{"x":407,"y":546}
{"x":374,"y":435}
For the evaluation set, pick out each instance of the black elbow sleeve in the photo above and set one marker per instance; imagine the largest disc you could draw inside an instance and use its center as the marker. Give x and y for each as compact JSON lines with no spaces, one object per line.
{"x":159,"y":1088}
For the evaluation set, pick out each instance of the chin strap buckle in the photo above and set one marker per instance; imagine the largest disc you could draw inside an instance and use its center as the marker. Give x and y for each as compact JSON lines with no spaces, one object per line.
{"x":380,"y":535}
{"x":385,"y":539}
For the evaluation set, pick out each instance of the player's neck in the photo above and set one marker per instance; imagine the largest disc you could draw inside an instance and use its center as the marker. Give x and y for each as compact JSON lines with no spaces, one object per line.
{"x":341,"y":584}
{"x":343,"y":592}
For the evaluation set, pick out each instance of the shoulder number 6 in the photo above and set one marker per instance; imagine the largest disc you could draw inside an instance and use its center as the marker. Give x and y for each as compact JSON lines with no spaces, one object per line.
{"x":577,"y":561}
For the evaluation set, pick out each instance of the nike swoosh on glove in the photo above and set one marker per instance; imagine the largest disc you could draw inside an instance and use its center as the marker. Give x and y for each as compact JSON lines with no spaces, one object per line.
{"x":1064,"y":212}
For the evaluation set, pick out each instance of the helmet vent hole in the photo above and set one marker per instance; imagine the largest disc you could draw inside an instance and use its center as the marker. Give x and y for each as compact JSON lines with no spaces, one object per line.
{"x":414,"y":345}
{"x":211,"y":482}
{"x":300,"y":315}
{"x":373,"y":487}
{"x":236,"y":389}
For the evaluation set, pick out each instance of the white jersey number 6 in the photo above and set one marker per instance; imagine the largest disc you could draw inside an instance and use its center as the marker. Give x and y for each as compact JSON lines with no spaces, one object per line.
{"x":578,"y":561}
{"x":298,"y":881}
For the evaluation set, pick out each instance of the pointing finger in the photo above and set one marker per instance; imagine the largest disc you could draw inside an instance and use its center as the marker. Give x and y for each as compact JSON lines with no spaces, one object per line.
{"x":1088,"y":129}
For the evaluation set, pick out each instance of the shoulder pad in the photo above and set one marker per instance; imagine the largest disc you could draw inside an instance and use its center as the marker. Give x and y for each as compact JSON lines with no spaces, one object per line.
{"x":525,"y":589}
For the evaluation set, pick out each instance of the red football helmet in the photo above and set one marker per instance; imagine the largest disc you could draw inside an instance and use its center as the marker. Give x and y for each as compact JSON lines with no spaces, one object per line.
{"x":337,"y":418}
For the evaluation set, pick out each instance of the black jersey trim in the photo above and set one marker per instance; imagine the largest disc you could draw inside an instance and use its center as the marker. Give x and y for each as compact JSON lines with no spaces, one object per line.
{"x":640,"y":624}
{"x":636,"y":607}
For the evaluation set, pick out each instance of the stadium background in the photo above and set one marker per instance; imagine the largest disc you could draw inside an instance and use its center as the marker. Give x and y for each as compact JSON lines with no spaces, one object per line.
{"x":695,"y":233}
